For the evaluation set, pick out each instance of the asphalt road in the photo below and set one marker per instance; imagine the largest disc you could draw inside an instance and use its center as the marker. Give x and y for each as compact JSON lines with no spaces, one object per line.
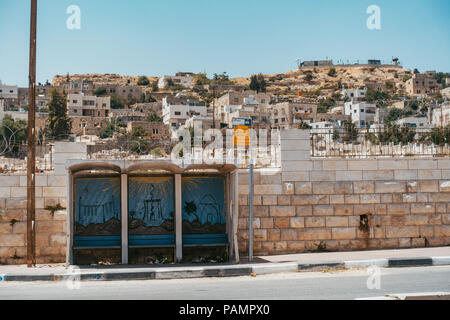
{"x":307,"y":285}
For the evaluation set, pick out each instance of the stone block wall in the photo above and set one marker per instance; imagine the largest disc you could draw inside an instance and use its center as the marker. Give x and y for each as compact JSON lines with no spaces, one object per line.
{"x":345,"y":204}
{"x":51,"y":226}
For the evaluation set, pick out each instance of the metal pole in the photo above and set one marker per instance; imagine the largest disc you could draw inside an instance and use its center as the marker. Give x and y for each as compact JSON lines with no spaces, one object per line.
{"x":214,"y":107}
{"x":31,"y":161}
{"x":250,"y":227}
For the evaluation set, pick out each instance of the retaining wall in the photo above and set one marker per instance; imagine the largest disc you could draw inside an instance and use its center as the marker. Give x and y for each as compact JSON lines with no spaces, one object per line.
{"x":339,"y":204}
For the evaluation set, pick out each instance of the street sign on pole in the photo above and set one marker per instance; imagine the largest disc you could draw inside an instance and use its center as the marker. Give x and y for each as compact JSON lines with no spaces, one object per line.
{"x":242,"y":128}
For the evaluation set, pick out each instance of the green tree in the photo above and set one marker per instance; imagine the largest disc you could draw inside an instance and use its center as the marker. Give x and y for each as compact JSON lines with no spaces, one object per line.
{"x":13,"y":133}
{"x":116,"y":102}
{"x":139,"y":146}
{"x":139,"y":132}
{"x":100,"y":92}
{"x":393,"y":115}
{"x":332,"y":72}
{"x":143,"y":81}
{"x":169,"y":83}
{"x":350,"y":132}
{"x":109,"y":129}
{"x":309,"y":77}
{"x":59,"y":124}
{"x":222,"y":78}
{"x":155,"y":86}
{"x":303,"y":125}
{"x":258,"y":83}
{"x":254,"y":84}
{"x":201,"y":79}
{"x":153,"y":117}
{"x":325,"y":104}
{"x":379,"y":97}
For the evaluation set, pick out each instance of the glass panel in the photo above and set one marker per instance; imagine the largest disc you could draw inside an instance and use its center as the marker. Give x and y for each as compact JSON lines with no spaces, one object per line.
{"x":97,"y":207}
{"x":151,"y":205}
{"x":203,"y":205}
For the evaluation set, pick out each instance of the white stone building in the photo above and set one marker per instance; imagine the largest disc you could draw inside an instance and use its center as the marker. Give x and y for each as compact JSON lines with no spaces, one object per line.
{"x":415,"y":122}
{"x":176,"y":111}
{"x":441,"y":115}
{"x":362,"y":113}
{"x":186,"y":79}
{"x":357,"y":94}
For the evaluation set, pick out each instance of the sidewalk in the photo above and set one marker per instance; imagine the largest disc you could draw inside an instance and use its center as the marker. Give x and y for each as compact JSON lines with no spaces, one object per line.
{"x":260,"y":265}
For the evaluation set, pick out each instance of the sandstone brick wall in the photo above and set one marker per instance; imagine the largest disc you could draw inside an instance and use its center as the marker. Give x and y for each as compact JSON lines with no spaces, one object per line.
{"x":339,"y":204}
{"x":50,"y":228}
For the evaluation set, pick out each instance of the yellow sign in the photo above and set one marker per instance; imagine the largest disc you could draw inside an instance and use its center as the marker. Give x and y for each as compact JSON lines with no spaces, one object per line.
{"x":241,"y":136}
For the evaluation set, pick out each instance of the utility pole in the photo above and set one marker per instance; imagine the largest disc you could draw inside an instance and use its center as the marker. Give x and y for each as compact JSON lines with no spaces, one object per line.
{"x":31,"y":160}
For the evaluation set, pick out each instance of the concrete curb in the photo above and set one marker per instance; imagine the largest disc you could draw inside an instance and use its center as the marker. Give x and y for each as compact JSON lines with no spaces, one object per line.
{"x":223,"y":270}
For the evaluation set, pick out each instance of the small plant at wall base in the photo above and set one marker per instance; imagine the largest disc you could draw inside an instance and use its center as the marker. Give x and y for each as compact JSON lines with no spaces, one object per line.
{"x":54,"y":208}
{"x":13,"y":222}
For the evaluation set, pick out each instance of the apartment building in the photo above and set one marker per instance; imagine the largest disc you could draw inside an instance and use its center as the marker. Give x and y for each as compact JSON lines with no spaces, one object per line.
{"x":185,"y":79}
{"x":441,"y":115}
{"x":9,"y":94}
{"x":77,"y":86}
{"x":315,"y":63}
{"x":155,"y":130}
{"x":218,"y":88}
{"x":127,"y":115}
{"x":288,"y":114}
{"x":232,"y":100}
{"x":42,"y":96}
{"x":88,"y":113}
{"x":446,"y":92}
{"x":362,"y":114}
{"x":356,"y":94}
{"x":422,"y":84}
{"x":414,"y":122}
{"x":79,"y":105}
{"x":176,"y":110}
{"x":250,"y":108}
{"x":128,"y":92}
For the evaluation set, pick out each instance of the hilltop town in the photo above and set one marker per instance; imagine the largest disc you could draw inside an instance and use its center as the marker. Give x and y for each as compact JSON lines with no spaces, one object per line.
{"x":319,"y":95}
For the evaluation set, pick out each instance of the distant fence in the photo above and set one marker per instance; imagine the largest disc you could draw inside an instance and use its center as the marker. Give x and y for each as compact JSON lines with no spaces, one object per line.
{"x":389,"y":142}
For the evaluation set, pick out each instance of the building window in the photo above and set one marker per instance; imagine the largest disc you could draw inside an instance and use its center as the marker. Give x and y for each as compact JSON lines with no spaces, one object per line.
{"x":177,"y":113}
{"x":75,"y":110}
{"x":155,"y":131}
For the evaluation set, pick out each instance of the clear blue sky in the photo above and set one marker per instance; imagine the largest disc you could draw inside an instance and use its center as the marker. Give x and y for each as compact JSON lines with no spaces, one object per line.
{"x":240,"y":37}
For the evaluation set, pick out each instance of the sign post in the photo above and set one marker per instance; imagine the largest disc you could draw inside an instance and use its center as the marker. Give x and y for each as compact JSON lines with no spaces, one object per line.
{"x":245,"y":125}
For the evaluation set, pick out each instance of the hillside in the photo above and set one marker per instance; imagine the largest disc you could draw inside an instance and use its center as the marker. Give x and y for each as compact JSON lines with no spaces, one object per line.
{"x":321,"y":82}
{"x":317,"y":82}
{"x":98,"y":79}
